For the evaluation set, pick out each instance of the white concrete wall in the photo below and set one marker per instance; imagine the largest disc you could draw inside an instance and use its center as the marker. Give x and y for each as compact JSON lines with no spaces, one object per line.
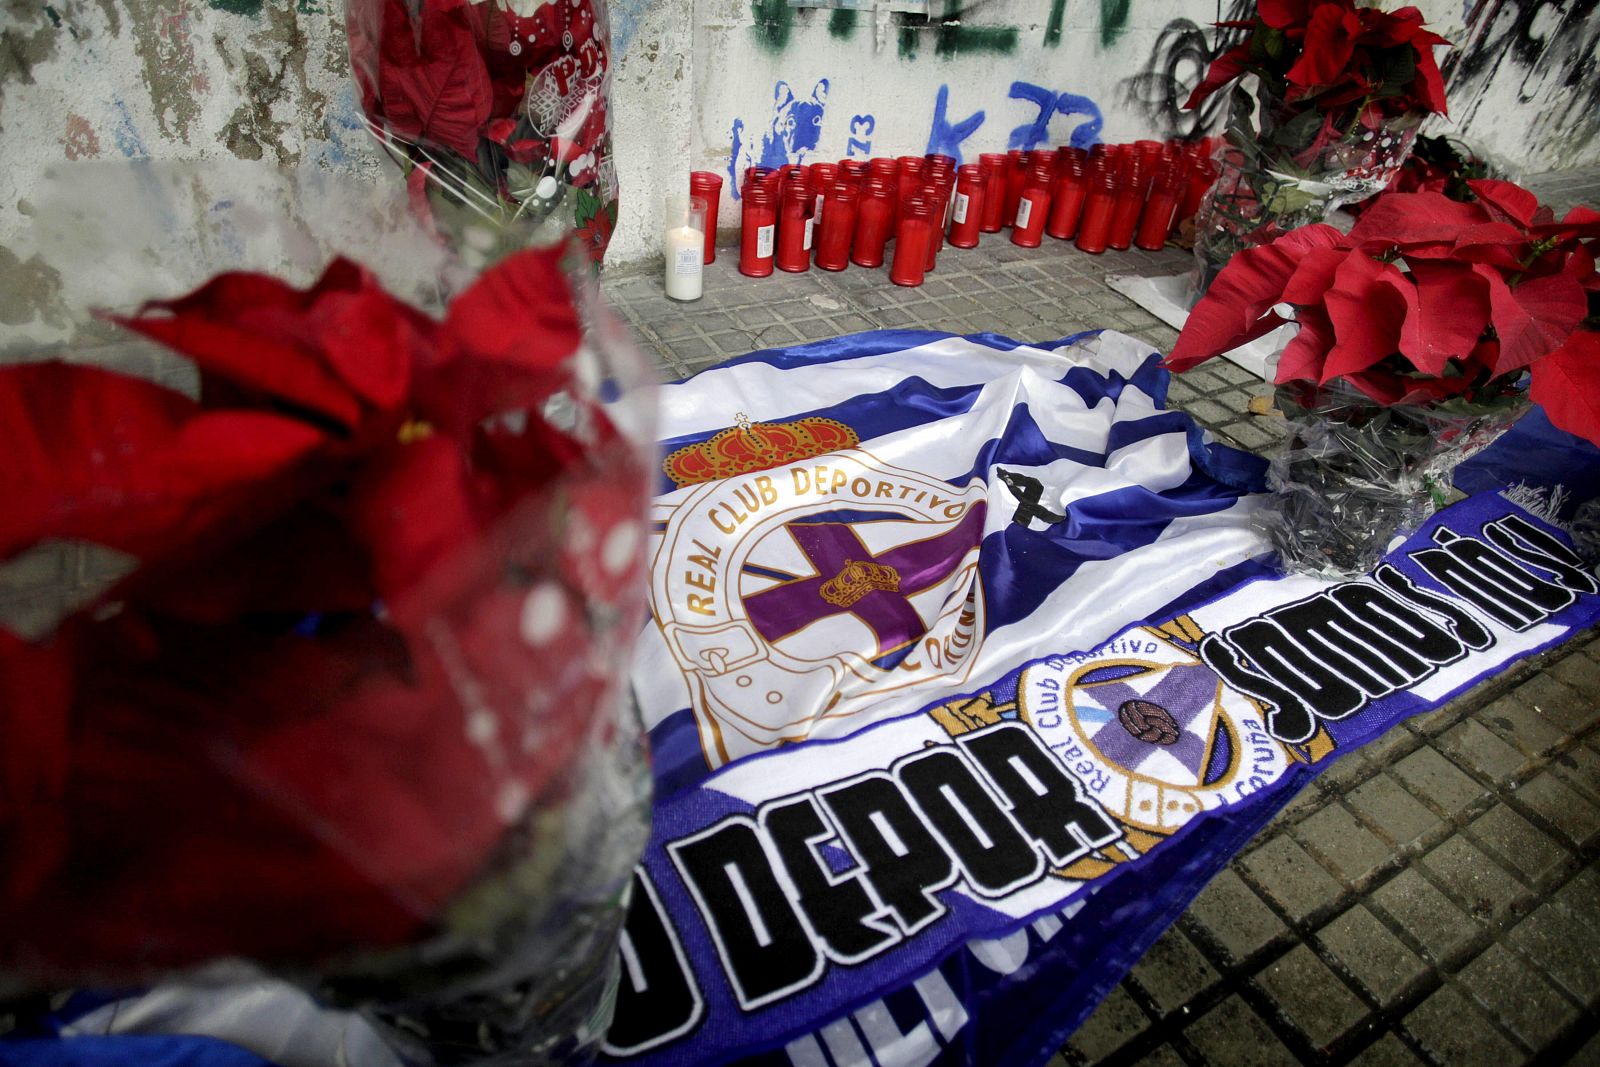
{"x":266,"y":80}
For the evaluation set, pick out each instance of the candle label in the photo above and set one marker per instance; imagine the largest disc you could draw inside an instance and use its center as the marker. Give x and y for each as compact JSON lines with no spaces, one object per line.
{"x":1024,"y":210}
{"x":959,"y":213}
{"x":764,"y":241}
{"x":689,"y":261}
{"x":806,"y":246}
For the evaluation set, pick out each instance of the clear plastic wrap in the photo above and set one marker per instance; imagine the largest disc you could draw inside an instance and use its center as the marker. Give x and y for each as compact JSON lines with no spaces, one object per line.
{"x":1351,"y":476}
{"x":497,"y":113}
{"x":1265,"y":189}
{"x":318,"y":659}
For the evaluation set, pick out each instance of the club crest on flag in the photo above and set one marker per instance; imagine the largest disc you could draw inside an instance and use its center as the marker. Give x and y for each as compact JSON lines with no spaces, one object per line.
{"x":798,"y":594}
{"x":1153,"y":733}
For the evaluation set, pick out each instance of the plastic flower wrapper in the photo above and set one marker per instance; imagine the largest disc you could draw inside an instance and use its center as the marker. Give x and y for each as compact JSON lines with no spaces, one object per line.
{"x":353,"y":705}
{"x":497,"y":113}
{"x":1326,"y":117}
{"x":1423,"y":333}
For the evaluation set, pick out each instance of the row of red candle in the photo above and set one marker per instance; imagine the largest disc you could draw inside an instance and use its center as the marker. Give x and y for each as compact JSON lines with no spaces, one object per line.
{"x":1109,"y":196}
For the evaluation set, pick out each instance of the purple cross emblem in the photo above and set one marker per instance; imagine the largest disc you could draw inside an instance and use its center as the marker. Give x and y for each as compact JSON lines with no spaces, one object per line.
{"x":831,"y":547}
{"x":1186,"y":692}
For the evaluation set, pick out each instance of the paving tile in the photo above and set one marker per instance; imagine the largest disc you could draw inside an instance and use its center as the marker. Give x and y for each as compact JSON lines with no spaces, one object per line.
{"x":1515,"y":841}
{"x":1311,"y":996}
{"x":1231,"y":1035}
{"x":1579,"y":672}
{"x":1561,"y":704}
{"x":1377,"y":959}
{"x":1472,"y":746}
{"x":1345,"y":847}
{"x":1581,"y":897}
{"x":1437,"y":782}
{"x":1579,"y":767}
{"x":1523,"y":728}
{"x":1295,"y":882}
{"x":1450,"y":1027}
{"x":1173,"y":972}
{"x":1235,"y":917}
{"x":1387,"y":1051}
{"x":1477,"y":882}
{"x":1114,"y":1023}
{"x":1437,"y":721}
{"x":1515,"y":993}
{"x":1442,"y":930}
{"x":1575,"y":819}
{"x":1563,"y":947}
{"x":1384,"y":804}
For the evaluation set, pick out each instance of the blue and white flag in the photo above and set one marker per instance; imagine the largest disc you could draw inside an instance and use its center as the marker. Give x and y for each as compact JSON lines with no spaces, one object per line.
{"x":967,"y":672}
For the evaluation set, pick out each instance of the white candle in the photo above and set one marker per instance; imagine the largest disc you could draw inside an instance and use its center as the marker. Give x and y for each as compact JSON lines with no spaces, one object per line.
{"x":685,"y":253}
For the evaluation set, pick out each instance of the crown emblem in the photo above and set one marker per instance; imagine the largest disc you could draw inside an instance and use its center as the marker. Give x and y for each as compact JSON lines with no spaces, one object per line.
{"x":756,"y":446}
{"x":856,"y":579}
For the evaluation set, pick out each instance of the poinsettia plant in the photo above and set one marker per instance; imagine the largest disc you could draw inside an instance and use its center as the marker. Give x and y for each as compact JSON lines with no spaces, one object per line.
{"x":376,"y":604}
{"x":496,"y":110}
{"x":1427,"y":301}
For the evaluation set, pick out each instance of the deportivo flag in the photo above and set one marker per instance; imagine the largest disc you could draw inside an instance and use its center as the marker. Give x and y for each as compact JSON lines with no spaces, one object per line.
{"x":967,"y":671}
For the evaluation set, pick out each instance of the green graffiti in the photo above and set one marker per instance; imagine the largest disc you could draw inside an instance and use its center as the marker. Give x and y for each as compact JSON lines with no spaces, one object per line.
{"x":773,"y":21}
{"x":1052,"y":29}
{"x":842,"y":23}
{"x":251,"y":8}
{"x":957,"y":40}
{"x":1113,"y":20}
{"x":908,"y":42}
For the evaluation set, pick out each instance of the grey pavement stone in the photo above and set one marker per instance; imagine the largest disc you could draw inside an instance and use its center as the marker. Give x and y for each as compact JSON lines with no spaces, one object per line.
{"x":1235,"y":917}
{"x":1294,"y":881}
{"x":1471,"y":745}
{"x":1527,"y":1004}
{"x":1580,"y":897}
{"x":1173,"y":972}
{"x":1231,"y":1035}
{"x":1311,"y":996}
{"x":1395,"y":813}
{"x":1573,"y":818}
{"x":1579,"y":672}
{"x":1437,"y":782}
{"x":1523,"y":728}
{"x":1519,"y":844}
{"x":1387,"y":1051}
{"x":1579,"y":767}
{"x":1345,"y":847}
{"x":1476,"y":881}
{"x":1570,"y":710}
{"x":1564,"y":948}
{"x":1440,"y":929}
{"x":1378,"y":960}
{"x":1114,"y":1023}
{"x":1449,"y":1026}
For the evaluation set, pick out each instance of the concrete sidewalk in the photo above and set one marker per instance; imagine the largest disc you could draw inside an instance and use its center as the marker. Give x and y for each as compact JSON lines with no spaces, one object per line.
{"x":1433,"y":899}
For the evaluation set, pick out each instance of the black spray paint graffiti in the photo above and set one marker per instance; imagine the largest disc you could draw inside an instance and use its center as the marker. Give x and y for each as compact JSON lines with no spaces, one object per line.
{"x":1547,"y":50}
{"x":1176,"y":65}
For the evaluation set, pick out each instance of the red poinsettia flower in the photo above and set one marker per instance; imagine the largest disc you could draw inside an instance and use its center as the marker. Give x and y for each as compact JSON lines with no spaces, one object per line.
{"x":1425,"y":299}
{"x":298,"y":726}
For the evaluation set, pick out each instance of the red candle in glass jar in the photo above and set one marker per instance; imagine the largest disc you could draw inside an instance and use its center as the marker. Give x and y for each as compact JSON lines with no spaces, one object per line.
{"x":758,"y":231}
{"x":1066,"y":203}
{"x":874,"y":217}
{"x":1017,"y":164}
{"x":1202,"y":176}
{"x":838,"y":227}
{"x":1096,"y":221}
{"x":910,"y":175}
{"x":940,"y":191}
{"x":1159,"y":210}
{"x":966,"y":208}
{"x":707,"y":188}
{"x":821,"y":178}
{"x":854,"y":168}
{"x":937,"y":161}
{"x":794,"y":228}
{"x":1130,"y":204}
{"x":994,"y":166}
{"x":1033,"y":209}
{"x":911,"y":242}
